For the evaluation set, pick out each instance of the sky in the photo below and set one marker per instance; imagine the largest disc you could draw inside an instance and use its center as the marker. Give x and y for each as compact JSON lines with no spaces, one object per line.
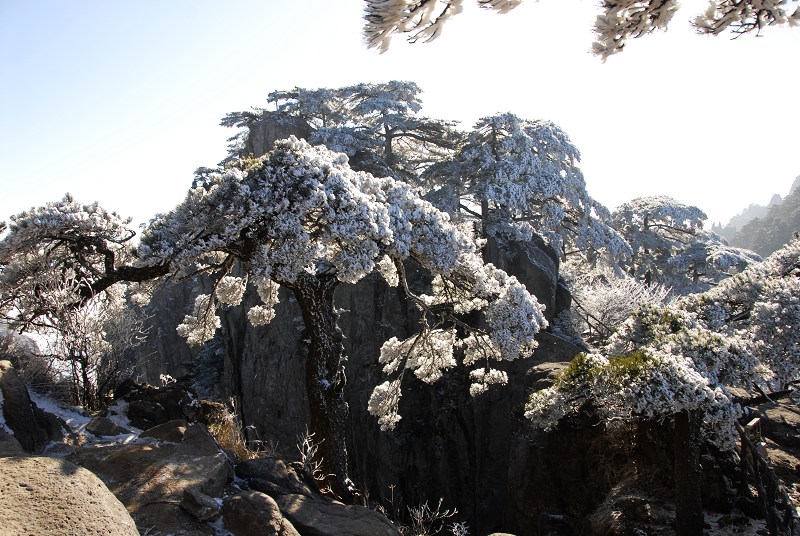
{"x":119,"y":102}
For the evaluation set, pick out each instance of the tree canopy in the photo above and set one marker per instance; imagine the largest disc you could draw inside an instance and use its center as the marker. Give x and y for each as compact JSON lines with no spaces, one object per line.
{"x":685,"y":356}
{"x":377,"y":125}
{"x":521,"y":177}
{"x":670,"y":246}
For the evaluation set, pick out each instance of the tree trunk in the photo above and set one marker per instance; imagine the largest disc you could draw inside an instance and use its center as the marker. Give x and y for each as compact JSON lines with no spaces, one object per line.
{"x":688,"y":503}
{"x":325,"y":378}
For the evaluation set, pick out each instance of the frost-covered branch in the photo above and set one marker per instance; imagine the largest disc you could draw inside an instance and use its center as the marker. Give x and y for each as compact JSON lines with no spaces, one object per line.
{"x":619,"y":21}
{"x":746,"y":16}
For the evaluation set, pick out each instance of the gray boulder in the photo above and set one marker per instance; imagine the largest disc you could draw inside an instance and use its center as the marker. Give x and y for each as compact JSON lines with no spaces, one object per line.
{"x":9,"y":446}
{"x":105,"y":427}
{"x":53,"y":497}
{"x":255,"y":513}
{"x":150,"y":479}
{"x":173,"y":431}
{"x":319,"y":517}
{"x":273,"y":476}
{"x":200,"y":505}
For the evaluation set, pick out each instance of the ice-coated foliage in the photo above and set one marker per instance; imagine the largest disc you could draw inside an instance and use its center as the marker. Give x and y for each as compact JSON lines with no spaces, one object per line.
{"x":603,"y":298}
{"x":523,"y":177}
{"x":61,"y":241}
{"x":627,"y":19}
{"x":230,"y":289}
{"x":302,"y":210}
{"x":646,"y":385}
{"x":619,"y":21}
{"x":376,"y":124}
{"x":421,"y":19}
{"x":512,"y":320}
{"x":742,"y":17}
{"x":684,"y":356}
{"x":671,"y":248}
{"x":384,"y":403}
{"x":201,"y":325}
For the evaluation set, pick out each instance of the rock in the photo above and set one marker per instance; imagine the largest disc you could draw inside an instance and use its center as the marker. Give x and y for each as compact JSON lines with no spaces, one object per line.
{"x":32,"y":427}
{"x":544,"y":374}
{"x":319,"y":517}
{"x":266,"y":131}
{"x":146,"y":414}
{"x":563,"y":299}
{"x":272,"y":475}
{"x":635,"y":509}
{"x":200,"y":505}
{"x":52,"y":497}
{"x":103,"y":426}
{"x":255,"y":513}
{"x":172,"y":431}
{"x":150,"y":479}
{"x":534,"y":263}
{"x":781,"y":421}
{"x":150,"y":406}
{"x":9,"y":446}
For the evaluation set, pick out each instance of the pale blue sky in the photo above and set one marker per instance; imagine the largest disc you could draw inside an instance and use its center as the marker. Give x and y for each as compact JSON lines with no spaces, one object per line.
{"x":119,"y":101}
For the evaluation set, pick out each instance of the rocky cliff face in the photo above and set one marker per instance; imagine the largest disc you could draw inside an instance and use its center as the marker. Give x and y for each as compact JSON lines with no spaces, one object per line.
{"x":448,"y":444}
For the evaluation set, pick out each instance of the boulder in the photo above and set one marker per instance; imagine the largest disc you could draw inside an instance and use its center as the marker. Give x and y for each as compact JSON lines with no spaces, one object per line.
{"x":150,"y":479}
{"x":255,"y":513}
{"x":52,"y":497}
{"x":780,"y":422}
{"x":272,"y":127}
{"x":320,"y":517}
{"x":200,"y":505}
{"x":145,"y":414}
{"x":172,"y":431}
{"x":32,"y":427}
{"x":544,"y":375}
{"x":105,"y":427}
{"x":9,"y":446}
{"x":149,"y":406}
{"x":273,"y":476}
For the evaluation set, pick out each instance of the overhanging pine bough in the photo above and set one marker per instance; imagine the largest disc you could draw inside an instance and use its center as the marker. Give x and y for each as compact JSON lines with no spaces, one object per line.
{"x":620,"y":20}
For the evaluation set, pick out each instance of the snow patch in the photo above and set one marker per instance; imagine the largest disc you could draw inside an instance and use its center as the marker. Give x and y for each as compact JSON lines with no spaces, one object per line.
{"x":75,"y":416}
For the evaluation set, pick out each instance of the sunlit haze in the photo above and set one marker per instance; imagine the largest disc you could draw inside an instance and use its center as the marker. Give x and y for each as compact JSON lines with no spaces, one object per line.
{"x":119,"y":102}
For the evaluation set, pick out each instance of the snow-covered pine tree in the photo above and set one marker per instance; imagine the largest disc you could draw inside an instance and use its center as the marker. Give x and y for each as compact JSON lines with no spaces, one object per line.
{"x":299,"y":217}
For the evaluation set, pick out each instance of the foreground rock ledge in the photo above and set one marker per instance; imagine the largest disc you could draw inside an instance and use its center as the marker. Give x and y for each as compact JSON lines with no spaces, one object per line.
{"x":53,"y":497}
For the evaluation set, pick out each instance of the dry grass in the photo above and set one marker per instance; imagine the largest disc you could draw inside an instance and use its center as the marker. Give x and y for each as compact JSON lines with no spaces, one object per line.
{"x":227,"y":430}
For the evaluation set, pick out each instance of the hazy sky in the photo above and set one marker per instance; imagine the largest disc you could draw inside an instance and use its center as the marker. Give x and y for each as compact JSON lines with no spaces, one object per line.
{"x":119,"y":101}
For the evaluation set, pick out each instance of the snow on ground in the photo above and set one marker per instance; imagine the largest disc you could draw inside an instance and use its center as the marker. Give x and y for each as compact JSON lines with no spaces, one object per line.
{"x":77,"y":418}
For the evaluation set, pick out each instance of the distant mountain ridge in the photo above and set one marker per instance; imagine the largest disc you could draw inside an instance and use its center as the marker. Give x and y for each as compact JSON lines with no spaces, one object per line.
{"x":765,"y":229}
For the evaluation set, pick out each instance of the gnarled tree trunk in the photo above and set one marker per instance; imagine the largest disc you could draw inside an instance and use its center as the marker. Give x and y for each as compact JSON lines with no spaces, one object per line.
{"x":325,"y":379}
